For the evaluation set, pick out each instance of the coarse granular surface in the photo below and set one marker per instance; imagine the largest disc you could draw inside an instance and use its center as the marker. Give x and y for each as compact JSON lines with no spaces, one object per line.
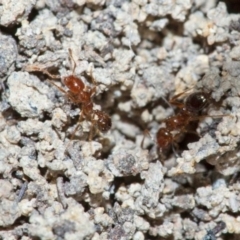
{"x":64,"y":175}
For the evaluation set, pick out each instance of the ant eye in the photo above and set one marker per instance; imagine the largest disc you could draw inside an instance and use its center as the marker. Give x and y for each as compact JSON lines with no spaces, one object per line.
{"x":196,"y":102}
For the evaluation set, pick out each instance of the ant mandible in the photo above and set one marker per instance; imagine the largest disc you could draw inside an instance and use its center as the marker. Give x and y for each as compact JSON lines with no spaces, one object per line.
{"x":178,"y":124}
{"x":80,"y":93}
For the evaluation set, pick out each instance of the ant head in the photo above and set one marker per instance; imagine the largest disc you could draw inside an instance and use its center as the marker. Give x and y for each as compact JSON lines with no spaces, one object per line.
{"x":196,"y":101}
{"x":74,"y":84}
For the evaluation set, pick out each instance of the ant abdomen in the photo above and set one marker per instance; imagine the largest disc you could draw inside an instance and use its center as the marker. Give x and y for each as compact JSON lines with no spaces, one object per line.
{"x":104,"y":122}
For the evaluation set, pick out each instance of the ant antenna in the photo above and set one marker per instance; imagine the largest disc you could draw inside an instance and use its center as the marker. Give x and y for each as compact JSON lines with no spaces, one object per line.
{"x":167,"y":102}
{"x":40,"y":68}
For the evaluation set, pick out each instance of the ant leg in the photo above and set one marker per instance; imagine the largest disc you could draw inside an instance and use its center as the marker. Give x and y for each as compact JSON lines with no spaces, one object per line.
{"x":40,"y":68}
{"x":167,"y":102}
{"x":74,"y":62}
{"x":211,"y":116}
{"x":72,"y":136}
{"x":175,"y":148}
{"x":173,"y":101}
{"x":146,"y":132}
{"x":51,"y":75}
{"x":90,"y":137}
{"x":92,"y":78}
{"x":162,"y":156}
{"x":59,"y":88}
{"x":94,"y":89}
{"x":191,"y":132}
{"x":44,"y":71}
{"x":93,"y":122}
{"x":78,"y":125}
{"x":60,"y":191}
{"x":74,"y":131}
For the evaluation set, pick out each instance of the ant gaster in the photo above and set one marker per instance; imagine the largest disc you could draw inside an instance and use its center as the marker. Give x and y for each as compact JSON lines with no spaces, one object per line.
{"x":178,"y":124}
{"x":80,"y":93}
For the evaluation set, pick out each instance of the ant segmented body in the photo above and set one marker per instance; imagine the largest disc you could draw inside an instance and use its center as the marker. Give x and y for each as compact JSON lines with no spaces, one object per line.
{"x":80,"y":93}
{"x":178,"y":124}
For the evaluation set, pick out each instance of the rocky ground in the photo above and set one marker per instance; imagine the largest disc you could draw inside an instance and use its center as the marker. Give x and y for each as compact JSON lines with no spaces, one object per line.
{"x":140,"y":53}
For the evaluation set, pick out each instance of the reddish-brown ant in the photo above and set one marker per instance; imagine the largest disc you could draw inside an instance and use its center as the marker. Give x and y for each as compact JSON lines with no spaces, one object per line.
{"x":176,"y":125}
{"x":80,"y":93}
